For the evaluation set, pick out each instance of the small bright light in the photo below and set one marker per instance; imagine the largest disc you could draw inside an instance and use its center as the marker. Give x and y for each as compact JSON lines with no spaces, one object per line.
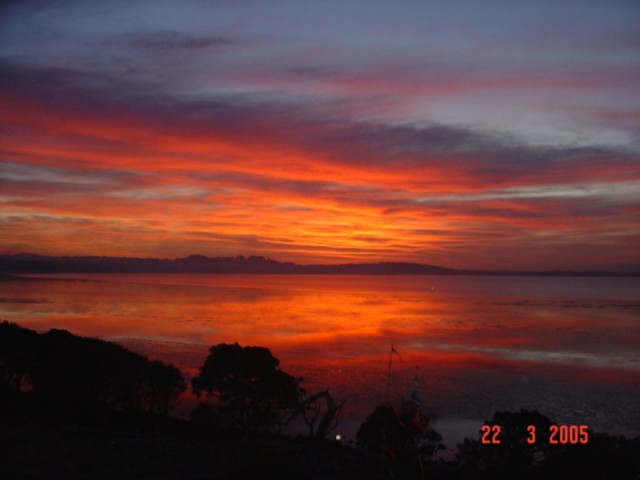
{"x":338,"y":437}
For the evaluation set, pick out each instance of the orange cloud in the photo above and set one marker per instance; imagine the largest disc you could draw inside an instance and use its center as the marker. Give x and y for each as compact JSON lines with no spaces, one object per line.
{"x":87,"y":175}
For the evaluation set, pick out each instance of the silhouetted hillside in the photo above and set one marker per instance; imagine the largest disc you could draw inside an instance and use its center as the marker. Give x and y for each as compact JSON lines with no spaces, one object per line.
{"x":30,"y":263}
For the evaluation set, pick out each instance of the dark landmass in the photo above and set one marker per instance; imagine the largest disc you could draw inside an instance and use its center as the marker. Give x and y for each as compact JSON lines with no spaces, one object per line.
{"x":31,"y":263}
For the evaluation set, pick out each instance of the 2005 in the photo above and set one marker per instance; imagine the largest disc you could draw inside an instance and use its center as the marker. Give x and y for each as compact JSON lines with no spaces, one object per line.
{"x":568,"y":434}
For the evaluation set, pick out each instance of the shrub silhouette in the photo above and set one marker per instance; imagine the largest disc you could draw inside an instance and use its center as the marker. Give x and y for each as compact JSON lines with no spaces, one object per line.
{"x":401,"y":433}
{"x":513,"y":456}
{"x":250,"y":390}
{"x":603,"y":456}
{"x":78,"y":374}
{"x":160,"y":388}
{"x":321,"y":413}
{"x":17,"y":356}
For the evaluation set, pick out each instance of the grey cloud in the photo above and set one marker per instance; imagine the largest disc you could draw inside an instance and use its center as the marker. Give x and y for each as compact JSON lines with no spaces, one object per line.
{"x":175,"y":40}
{"x":483,"y":157}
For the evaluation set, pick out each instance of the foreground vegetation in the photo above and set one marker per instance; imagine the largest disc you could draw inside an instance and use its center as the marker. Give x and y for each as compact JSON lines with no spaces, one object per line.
{"x":74,"y":407}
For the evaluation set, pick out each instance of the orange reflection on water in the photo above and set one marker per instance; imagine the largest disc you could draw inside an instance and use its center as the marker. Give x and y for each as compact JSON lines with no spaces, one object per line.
{"x":348,"y":315}
{"x":480,"y":343}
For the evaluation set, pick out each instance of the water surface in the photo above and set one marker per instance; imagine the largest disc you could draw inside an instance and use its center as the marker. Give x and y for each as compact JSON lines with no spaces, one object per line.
{"x":568,"y":347}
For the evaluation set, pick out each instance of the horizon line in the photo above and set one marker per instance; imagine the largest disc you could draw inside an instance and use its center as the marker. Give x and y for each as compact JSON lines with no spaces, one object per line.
{"x":445,"y":270}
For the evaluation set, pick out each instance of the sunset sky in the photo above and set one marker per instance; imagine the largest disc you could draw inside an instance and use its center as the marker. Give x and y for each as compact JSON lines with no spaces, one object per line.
{"x":494,"y":134}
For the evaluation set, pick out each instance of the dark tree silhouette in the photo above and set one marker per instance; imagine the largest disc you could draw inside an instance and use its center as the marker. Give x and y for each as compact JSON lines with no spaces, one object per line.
{"x":321,"y":413}
{"x":17,"y":356}
{"x":160,"y":388}
{"x":513,"y":456}
{"x":78,"y":374}
{"x":401,"y":433}
{"x":250,"y":390}
{"x":604,"y":456}
{"x":81,"y":373}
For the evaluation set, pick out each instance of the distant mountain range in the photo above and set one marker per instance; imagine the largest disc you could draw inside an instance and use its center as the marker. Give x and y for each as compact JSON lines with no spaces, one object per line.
{"x":31,"y":263}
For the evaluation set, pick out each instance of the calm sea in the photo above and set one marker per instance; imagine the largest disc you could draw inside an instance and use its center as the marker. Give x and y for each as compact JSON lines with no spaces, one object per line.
{"x":568,"y":347}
